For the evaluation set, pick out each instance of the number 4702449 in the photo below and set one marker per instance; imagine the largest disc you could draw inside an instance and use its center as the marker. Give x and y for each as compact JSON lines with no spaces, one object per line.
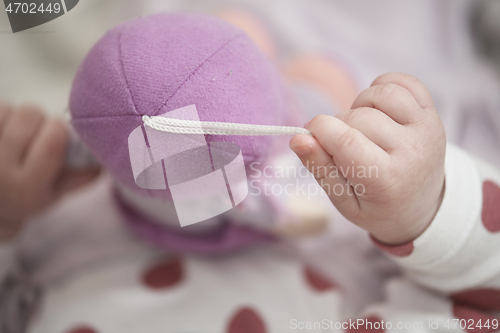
{"x":31,"y":8}
{"x":471,"y":324}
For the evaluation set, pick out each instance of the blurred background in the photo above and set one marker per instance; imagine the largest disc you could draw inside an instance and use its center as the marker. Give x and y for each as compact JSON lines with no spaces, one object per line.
{"x":331,"y":48}
{"x":328,"y":51}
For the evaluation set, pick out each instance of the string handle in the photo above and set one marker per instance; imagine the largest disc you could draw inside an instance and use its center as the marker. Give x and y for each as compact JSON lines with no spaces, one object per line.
{"x":180,"y":126}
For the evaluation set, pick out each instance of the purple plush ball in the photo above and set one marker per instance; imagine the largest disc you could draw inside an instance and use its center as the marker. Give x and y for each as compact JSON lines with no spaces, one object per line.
{"x":160,"y":63}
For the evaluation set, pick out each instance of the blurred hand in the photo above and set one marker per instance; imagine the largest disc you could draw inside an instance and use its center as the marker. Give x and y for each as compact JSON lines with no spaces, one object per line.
{"x":386,"y":153}
{"x":32,"y":166}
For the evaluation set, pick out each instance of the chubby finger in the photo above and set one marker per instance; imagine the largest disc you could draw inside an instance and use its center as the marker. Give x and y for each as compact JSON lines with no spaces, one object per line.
{"x":18,"y":132}
{"x":392,"y":99}
{"x":349,"y":148}
{"x":45,"y":158}
{"x":375,"y":125}
{"x":321,"y":165}
{"x":410,"y":83}
{"x":5,"y":112}
{"x":72,"y":179}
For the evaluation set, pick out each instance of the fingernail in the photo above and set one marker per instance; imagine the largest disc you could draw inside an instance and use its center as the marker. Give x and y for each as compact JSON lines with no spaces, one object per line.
{"x":306,"y":124}
{"x":302,"y":150}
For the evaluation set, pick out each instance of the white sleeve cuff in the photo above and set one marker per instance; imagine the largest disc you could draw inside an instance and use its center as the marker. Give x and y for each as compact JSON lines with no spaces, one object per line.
{"x":456,"y":217}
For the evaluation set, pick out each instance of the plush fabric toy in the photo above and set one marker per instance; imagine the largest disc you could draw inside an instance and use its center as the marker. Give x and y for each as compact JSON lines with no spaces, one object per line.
{"x":154,"y":65}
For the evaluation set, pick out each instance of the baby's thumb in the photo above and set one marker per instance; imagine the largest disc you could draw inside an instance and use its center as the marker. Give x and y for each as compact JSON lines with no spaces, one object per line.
{"x":321,"y":165}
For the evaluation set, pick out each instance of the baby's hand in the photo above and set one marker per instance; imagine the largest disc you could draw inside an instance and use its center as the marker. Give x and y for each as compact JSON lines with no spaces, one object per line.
{"x":32,"y":173}
{"x":382,"y":162}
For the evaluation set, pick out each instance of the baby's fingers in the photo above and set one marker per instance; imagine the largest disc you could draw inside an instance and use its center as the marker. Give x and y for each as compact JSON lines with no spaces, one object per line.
{"x":18,"y":132}
{"x":375,"y":125}
{"x":352,"y":152}
{"x":409,"y":82}
{"x":73,"y":179}
{"x":5,"y":112}
{"x":45,"y":159}
{"x":393,"y":100}
{"x":321,"y":165}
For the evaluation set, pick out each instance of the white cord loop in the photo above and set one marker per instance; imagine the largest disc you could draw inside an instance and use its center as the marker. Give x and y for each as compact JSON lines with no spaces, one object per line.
{"x":179,"y":126}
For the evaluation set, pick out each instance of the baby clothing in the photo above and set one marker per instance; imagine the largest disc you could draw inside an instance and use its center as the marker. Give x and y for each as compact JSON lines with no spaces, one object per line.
{"x":80,"y":268}
{"x":89,"y":273}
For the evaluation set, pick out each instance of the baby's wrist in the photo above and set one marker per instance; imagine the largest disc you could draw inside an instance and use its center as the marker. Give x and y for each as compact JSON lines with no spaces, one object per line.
{"x":9,"y":228}
{"x":405,"y":233}
{"x":390,"y":236}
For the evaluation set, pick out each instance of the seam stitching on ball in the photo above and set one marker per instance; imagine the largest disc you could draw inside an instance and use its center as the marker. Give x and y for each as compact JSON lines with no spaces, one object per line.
{"x":123,"y":72}
{"x":196,"y":69}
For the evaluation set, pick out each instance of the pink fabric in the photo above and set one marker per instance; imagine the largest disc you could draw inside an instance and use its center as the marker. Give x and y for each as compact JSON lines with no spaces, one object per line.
{"x":227,"y":237}
{"x":153,"y":65}
{"x":160,"y":63}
